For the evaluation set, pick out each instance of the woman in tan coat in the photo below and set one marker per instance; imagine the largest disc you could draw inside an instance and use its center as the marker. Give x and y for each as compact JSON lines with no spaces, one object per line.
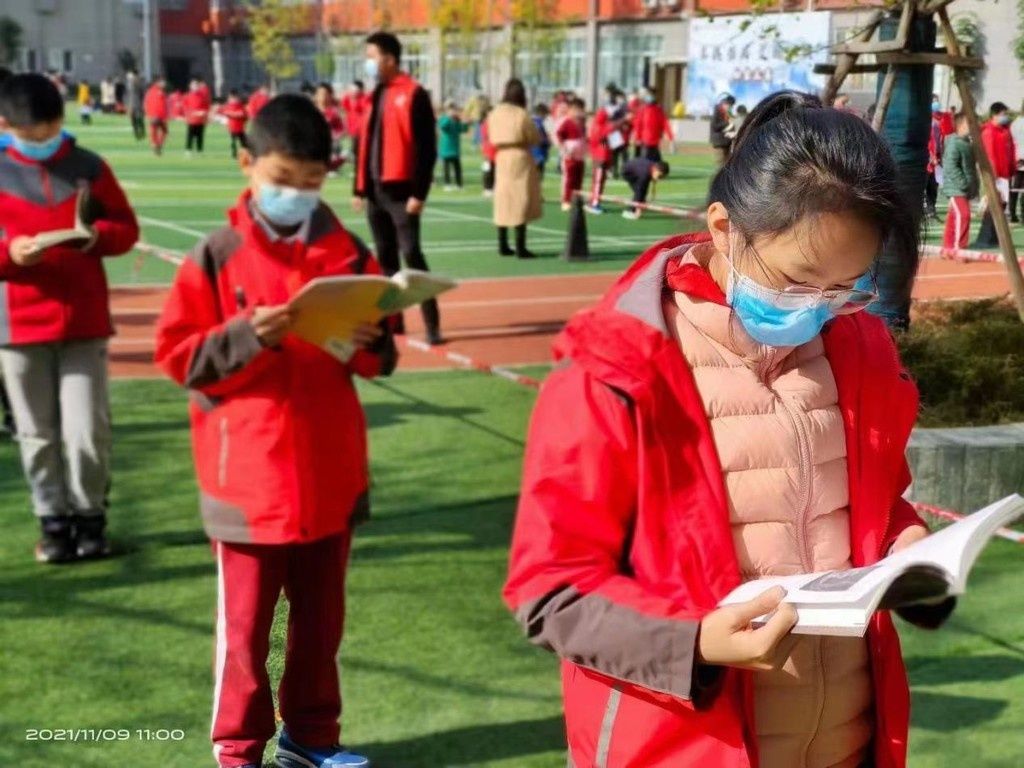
{"x":517,"y":182}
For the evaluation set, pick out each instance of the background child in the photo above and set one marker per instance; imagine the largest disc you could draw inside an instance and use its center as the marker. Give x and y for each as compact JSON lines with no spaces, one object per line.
{"x":705,"y":426}
{"x":641,"y":174}
{"x":490,"y":154}
{"x":84,"y":103}
{"x":570,"y":136}
{"x":541,"y":151}
{"x":53,"y":343}
{"x":234,"y":111}
{"x":651,"y":125}
{"x":328,"y":106}
{"x":156,"y":109}
{"x":959,"y":184}
{"x":450,"y":128}
{"x":279,"y":436}
{"x":196,"y":107}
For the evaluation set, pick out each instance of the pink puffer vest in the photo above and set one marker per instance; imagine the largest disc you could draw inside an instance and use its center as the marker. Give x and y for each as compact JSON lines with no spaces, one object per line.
{"x":779,"y":435}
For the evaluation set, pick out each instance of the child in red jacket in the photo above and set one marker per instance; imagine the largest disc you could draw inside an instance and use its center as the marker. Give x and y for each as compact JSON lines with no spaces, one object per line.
{"x":570,"y":137}
{"x":672,"y":456}
{"x":279,"y":438}
{"x":156,"y":109}
{"x":55,"y":315}
{"x":196,"y":106}
{"x":234,"y":111}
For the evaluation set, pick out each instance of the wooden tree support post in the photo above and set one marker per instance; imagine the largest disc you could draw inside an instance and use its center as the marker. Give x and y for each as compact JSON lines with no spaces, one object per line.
{"x":846,"y":61}
{"x":995,"y":204}
{"x":888,"y":85}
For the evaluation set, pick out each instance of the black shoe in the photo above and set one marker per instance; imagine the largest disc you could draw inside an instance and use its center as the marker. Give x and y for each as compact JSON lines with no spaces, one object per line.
{"x":434,"y":338}
{"x":90,"y":539}
{"x":506,"y":251}
{"x":57,"y":544}
{"x":524,"y":254}
{"x":1015,"y":220}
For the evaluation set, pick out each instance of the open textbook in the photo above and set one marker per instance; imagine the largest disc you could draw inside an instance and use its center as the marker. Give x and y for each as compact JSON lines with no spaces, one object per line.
{"x":842,"y":602}
{"x":327,"y":310}
{"x":86,"y":212}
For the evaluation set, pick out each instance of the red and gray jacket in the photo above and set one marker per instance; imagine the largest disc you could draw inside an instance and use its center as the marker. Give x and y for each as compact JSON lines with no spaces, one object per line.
{"x":651,"y":125}
{"x":278,"y":434}
{"x":64,"y":297}
{"x":622,"y":540}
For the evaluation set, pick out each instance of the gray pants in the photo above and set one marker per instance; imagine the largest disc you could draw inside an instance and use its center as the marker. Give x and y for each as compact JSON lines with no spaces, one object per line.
{"x":61,"y":408}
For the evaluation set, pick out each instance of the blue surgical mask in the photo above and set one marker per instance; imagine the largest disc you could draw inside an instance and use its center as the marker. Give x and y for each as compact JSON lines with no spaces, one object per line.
{"x":372,"y":68}
{"x":772,"y":317}
{"x":648,"y":98}
{"x":936,"y":107}
{"x":40,"y":151}
{"x":286,"y":206}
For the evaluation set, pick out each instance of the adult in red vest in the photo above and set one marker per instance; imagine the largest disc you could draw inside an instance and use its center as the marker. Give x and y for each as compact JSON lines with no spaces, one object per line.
{"x":651,"y":125}
{"x":355,"y":103}
{"x":257,"y":101}
{"x":154,"y":105}
{"x":997,"y":141}
{"x":397,"y":152}
{"x":197,"y":110}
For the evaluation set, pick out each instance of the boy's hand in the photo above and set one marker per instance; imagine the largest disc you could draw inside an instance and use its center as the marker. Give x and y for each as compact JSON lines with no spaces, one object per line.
{"x":726,"y":637}
{"x":357,"y":204}
{"x":366,"y":335}
{"x":271,"y":324}
{"x":24,"y":252}
{"x":414,"y":207}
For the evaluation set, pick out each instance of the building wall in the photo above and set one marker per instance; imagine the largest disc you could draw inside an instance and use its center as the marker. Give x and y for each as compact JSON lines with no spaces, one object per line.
{"x":79,"y":38}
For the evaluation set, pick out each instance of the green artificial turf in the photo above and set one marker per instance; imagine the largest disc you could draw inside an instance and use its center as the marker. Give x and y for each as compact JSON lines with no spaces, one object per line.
{"x":435,"y":672}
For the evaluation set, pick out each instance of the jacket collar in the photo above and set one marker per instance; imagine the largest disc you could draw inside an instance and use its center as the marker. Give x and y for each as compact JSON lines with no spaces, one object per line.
{"x":63,"y":151}
{"x":288,"y":250}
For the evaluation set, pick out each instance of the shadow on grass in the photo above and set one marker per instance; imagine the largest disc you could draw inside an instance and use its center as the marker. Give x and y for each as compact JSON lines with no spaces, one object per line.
{"x":470,"y":745}
{"x":937,"y":670}
{"x":943,"y":712}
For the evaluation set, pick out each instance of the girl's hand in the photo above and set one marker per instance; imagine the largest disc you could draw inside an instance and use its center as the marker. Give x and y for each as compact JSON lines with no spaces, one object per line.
{"x":909,"y":536}
{"x":23,"y":251}
{"x":366,"y":335}
{"x":271,"y":324}
{"x":726,"y":637}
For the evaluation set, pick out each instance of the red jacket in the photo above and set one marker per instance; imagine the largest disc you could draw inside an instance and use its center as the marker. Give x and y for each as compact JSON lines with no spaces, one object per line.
{"x":197,"y":107}
{"x":651,"y":125}
{"x":356,"y":106}
{"x":601,"y":127}
{"x":257,"y":101}
{"x":176,"y":105}
{"x":155,"y":104}
{"x":622,"y":540}
{"x":488,"y":150}
{"x":398,"y":150}
{"x":236,"y":114}
{"x":335,"y":122}
{"x":998,"y":143}
{"x":64,"y":296}
{"x":279,"y":436}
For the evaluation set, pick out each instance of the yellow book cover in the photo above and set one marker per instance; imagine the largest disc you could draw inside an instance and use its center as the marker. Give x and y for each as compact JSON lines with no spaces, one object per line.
{"x":327,"y":310}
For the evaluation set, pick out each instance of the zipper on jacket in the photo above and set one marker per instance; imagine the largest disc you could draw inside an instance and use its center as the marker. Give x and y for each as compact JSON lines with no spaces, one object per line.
{"x":804,"y":469}
{"x":222,"y":459}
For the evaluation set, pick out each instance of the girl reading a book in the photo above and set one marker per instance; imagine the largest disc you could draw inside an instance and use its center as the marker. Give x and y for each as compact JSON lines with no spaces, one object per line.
{"x":729,"y":412}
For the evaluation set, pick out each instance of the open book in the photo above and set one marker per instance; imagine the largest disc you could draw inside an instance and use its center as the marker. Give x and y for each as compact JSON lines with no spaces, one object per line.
{"x":87,"y":210}
{"x":327,"y":310}
{"x":841,"y":602}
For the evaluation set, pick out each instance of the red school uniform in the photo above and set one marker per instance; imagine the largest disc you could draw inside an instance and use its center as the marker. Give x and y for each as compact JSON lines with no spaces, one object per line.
{"x":236,"y":114}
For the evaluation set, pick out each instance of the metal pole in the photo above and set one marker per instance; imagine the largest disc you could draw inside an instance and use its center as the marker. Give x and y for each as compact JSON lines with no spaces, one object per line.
{"x":147,"y":40}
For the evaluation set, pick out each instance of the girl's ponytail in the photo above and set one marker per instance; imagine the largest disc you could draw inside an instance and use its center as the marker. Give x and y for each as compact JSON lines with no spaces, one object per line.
{"x":771,"y":107}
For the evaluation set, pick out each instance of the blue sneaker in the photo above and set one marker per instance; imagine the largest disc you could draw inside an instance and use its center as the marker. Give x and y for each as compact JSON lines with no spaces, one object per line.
{"x":292,"y":755}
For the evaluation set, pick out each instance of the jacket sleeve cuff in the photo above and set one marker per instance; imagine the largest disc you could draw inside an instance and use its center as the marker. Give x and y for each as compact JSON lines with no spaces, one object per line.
{"x":223,"y":353}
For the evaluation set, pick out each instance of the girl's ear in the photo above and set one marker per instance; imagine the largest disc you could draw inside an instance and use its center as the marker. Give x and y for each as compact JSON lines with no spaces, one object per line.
{"x":718,"y":226}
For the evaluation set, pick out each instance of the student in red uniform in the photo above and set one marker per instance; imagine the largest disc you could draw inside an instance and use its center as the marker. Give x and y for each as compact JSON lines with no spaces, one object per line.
{"x":324,"y":99}
{"x":237,"y":116}
{"x":279,"y":439}
{"x":55,"y":316}
{"x":651,"y":125}
{"x":257,"y":100}
{"x":602,"y":126}
{"x":196,"y":106}
{"x":671,"y":457}
{"x":356,"y":104}
{"x":397,"y":152}
{"x":489,"y":153}
{"x":176,"y":105}
{"x":997,"y":143}
{"x":570,"y":137}
{"x":154,"y":105}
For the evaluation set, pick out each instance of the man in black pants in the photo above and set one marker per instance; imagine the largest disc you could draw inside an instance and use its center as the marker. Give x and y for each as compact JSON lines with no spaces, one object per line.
{"x":397,"y":152}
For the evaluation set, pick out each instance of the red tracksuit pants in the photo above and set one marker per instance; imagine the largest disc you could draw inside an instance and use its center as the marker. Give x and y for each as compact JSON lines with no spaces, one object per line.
{"x":250,"y":578}
{"x":958,"y":224}
{"x":572,"y":178}
{"x":600,"y":176}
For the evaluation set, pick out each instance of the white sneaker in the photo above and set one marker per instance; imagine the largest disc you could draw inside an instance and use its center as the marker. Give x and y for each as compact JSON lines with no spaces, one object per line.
{"x":631,"y":215}
{"x":488,"y":193}
{"x":594,"y":209}
{"x":566,"y":206}
{"x":449,"y":188}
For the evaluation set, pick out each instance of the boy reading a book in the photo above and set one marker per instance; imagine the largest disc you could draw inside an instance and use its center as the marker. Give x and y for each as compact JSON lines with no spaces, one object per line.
{"x":55,"y":314}
{"x":279,"y":438}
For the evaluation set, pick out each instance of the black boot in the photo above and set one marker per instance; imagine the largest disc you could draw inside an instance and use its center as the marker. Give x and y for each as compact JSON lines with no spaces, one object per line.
{"x":57,"y":543}
{"x":503,"y":246}
{"x":521,"y":251}
{"x":987,"y":237}
{"x":90,"y":538}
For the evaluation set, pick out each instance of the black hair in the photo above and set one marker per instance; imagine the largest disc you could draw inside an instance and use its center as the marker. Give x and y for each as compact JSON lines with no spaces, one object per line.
{"x":386,"y":43}
{"x":795,"y":158}
{"x":662,"y":166}
{"x":4,"y":73}
{"x":540,"y":109}
{"x":997,"y":108}
{"x":324,"y":84}
{"x":30,"y":99}
{"x":515,"y":93}
{"x":358,"y":84}
{"x":576,"y":101}
{"x":291,"y":125}
{"x":233,"y":92}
